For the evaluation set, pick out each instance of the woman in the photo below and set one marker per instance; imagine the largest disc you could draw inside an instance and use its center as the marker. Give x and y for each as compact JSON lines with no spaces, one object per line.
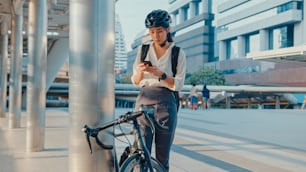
{"x":157,"y":82}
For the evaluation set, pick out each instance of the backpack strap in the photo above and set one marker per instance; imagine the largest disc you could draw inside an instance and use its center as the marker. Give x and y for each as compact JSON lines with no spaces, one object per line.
{"x":174,"y":57}
{"x":144,"y":51}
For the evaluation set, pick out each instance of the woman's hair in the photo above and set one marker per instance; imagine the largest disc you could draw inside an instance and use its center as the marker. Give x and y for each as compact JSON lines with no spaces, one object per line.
{"x":169,"y":37}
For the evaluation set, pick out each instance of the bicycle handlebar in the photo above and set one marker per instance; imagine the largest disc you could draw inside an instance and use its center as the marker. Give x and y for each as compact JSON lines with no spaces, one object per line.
{"x":129,"y":116}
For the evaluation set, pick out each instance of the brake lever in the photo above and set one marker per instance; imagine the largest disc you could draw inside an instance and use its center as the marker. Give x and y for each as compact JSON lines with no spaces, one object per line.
{"x":94,"y":133}
{"x":89,"y":143}
{"x":85,"y":129}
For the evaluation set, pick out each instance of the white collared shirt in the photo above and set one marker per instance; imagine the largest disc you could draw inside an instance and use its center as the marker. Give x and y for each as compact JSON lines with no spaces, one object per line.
{"x":164,"y":64}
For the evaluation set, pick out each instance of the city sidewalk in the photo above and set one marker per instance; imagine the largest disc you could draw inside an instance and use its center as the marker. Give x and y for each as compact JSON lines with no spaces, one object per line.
{"x":54,"y":157}
{"x":215,"y":141}
{"x":14,"y":158}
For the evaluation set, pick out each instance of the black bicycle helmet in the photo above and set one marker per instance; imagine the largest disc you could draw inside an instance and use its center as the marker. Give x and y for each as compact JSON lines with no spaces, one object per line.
{"x":158,"y":18}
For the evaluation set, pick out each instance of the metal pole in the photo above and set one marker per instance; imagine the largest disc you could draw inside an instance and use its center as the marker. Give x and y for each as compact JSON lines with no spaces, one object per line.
{"x":228,"y":102}
{"x":36,"y":85}
{"x":249,"y":103}
{"x":15,"y":80}
{"x":3,"y":80}
{"x":277,"y":102}
{"x":91,"y":82}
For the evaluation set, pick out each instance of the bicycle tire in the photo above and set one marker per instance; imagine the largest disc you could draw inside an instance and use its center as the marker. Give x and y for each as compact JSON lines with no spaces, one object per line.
{"x":134,"y":163}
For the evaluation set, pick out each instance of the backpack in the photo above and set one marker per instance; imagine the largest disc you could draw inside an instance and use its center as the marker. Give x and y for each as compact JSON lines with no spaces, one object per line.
{"x":205,"y":93}
{"x":174,"y":57}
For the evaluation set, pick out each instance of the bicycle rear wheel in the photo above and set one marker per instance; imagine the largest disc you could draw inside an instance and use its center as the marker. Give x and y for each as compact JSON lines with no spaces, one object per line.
{"x":135,"y":163}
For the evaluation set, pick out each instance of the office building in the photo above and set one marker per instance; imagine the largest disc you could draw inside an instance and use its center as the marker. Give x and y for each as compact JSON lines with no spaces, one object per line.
{"x":192,"y":29}
{"x":256,"y":37}
{"x":232,"y":35}
{"x":120,"y":48}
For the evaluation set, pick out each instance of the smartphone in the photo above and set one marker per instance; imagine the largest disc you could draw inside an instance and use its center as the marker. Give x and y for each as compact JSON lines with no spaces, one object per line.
{"x":147,"y":63}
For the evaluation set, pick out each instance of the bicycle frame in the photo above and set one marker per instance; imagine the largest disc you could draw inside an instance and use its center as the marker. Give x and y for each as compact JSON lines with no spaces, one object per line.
{"x":141,"y":144}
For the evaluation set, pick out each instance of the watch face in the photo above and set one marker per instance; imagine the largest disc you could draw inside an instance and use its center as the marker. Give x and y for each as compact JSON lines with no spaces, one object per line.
{"x":164,"y":76}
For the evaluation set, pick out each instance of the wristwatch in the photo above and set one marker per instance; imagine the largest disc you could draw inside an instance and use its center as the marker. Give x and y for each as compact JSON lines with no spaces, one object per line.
{"x":163,"y":77}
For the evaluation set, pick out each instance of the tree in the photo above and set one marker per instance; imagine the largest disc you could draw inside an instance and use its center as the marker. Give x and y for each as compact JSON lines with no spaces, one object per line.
{"x":206,"y":75}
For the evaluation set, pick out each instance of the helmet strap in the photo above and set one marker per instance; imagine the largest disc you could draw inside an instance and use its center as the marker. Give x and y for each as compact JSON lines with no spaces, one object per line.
{"x":163,"y":44}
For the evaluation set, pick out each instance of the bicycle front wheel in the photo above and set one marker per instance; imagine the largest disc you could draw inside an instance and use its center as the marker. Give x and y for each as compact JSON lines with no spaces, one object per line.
{"x":136,"y":163}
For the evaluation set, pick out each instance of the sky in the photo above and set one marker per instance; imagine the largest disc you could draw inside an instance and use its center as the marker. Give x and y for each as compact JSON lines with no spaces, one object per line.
{"x":132,"y":14}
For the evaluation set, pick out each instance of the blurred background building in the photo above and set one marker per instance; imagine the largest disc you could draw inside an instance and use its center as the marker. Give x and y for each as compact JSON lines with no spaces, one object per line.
{"x":120,"y":48}
{"x":253,"y":42}
{"x":272,"y":31}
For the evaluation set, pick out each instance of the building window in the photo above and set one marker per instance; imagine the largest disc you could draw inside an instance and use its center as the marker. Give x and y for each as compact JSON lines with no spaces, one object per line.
{"x":252,"y":43}
{"x":285,"y":7}
{"x":299,"y":5}
{"x":197,"y":9}
{"x":281,"y":37}
{"x":260,"y":16}
{"x":232,"y":49}
{"x":186,"y":13}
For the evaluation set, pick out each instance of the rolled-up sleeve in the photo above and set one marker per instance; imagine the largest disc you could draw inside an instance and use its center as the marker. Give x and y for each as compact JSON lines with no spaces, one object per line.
{"x":179,"y":78}
{"x":136,"y":62}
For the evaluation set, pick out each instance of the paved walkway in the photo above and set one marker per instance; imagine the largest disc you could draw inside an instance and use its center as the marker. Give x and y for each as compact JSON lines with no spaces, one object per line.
{"x":214,"y":141}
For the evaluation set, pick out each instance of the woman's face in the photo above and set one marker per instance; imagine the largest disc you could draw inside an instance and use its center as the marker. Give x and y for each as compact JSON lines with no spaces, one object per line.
{"x":159,"y":34}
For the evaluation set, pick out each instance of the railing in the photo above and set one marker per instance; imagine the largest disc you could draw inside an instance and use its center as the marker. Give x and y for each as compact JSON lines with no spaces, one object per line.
{"x":125,"y":94}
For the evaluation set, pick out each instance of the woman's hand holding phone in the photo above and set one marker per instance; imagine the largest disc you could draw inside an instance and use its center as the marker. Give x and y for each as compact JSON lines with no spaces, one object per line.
{"x":147,"y":63}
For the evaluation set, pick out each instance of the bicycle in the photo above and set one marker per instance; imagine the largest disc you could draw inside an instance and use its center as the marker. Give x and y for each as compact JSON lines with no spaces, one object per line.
{"x":136,"y":157}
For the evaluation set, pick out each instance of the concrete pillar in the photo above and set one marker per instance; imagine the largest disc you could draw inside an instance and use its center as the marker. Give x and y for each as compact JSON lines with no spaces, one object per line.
{"x":222,"y":50}
{"x":264,"y":40}
{"x":15,"y":81}
{"x":241,"y":46}
{"x":56,"y":58}
{"x":181,"y":14}
{"x":173,"y":18}
{"x":91,"y":81}
{"x":3,"y":65}
{"x":207,"y":6}
{"x":302,"y":30}
{"x":36,"y":85}
{"x":192,"y":8}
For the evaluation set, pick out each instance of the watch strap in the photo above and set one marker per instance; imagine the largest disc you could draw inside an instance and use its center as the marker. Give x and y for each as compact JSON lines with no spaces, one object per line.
{"x":163,"y":77}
